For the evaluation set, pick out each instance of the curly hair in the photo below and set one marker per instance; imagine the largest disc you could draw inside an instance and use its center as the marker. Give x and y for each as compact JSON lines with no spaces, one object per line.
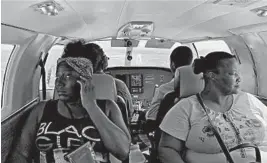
{"x":95,"y":53}
{"x":75,"y":49}
{"x":90,"y":51}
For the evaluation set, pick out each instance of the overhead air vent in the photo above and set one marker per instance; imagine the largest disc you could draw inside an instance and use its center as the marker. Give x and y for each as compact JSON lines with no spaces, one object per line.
{"x":235,"y":3}
{"x":50,"y":8}
{"x":136,"y":30}
{"x":261,"y":11}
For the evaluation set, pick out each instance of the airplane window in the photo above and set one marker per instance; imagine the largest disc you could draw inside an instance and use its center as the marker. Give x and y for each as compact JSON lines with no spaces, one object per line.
{"x":50,"y":66}
{"x":6,"y":51}
{"x":205,"y":47}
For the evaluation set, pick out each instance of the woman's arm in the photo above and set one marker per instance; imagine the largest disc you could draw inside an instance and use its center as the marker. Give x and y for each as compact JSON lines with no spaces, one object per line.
{"x":260,"y":111}
{"x":170,"y":149}
{"x":117,"y":118}
{"x":114,"y":134}
{"x":23,"y":146}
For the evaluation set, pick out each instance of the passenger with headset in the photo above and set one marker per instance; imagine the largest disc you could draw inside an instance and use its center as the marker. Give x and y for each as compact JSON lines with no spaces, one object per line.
{"x":100,"y":63}
{"x":180,"y":56}
{"x":193,"y":127}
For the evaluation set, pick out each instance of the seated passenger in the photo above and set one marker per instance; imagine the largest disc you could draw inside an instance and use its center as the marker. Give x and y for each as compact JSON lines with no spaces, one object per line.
{"x":238,"y":116}
{"x":100,"y":62}
{"x":180,"y":56}
{"x":57,"y":127}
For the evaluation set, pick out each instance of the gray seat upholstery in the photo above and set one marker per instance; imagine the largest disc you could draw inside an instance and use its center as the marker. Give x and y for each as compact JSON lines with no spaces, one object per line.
{"x":189,"y":83}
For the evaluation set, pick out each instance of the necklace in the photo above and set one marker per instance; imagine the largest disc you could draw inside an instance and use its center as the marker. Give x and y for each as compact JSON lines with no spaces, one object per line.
{"x":233,"y":126}
{"x":80,"y":125}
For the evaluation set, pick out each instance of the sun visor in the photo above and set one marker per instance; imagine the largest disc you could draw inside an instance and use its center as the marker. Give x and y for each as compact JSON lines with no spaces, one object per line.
{"x":124,"y":43}
{"x":159,"y":43}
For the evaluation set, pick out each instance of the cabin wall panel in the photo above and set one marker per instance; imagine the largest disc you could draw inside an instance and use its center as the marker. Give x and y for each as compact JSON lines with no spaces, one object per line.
{"x":258,"y":48}
{"x":263,"y":35}
{"x":10,"y":131}
{"x":22,"y":79}
{"x":9,"y":80}
{"x":23,"y":75}
{"x":238,"y":47}
{"x":10,"y":35}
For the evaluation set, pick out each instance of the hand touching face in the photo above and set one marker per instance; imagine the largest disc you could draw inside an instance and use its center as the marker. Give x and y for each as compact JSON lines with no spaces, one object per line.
{"x":87,"y":92}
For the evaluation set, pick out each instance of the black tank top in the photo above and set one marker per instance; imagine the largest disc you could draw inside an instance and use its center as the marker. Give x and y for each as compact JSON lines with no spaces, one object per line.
{"x":58,"y":136}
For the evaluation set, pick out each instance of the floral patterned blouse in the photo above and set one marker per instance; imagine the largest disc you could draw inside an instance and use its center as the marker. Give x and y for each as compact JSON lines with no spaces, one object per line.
{"x":244,"y":122}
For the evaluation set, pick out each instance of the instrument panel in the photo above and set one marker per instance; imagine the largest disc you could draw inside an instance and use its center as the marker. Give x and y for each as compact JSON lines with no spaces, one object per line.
{"x":136,"y":83}
{"x":141,"y":81}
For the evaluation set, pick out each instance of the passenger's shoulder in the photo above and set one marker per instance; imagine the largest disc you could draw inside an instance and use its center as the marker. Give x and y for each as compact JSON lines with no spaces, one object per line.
{"x":248,"y":99}
{"x":187,"y":103}
{"x":241,"y":95}
{"x":184,"y":107}
{"x":119,"y":82}
{"x":43,"y":102}
{"x":110,"y":102}
{"x":166,"y":87}
{"x":40,"y":106}
{"x":167,"y":84}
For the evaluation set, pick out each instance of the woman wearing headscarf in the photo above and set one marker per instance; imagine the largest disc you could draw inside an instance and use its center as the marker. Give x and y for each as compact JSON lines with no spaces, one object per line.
{"x":239,"y":118}
{"x":56,"y":128}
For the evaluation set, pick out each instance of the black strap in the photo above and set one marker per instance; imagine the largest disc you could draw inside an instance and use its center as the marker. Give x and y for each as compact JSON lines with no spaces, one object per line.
{"x":249,"y":145}
{"x":41,"y":63}
{"x":69,"y":110}
{"x":216,"y":133}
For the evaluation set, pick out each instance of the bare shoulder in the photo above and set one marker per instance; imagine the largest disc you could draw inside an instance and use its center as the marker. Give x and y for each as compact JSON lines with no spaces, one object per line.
{"x":111,"y":103}
{"x":112,"y":107}
{"x":39,"y":109}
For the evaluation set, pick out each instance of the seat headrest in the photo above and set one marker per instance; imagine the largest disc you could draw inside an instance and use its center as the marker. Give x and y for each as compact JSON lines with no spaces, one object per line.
{"x":105,"y":88}
{"x":188,"y":82}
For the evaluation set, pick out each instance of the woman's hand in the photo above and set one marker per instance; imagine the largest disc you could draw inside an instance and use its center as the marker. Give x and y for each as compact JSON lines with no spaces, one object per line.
{"x":87,"y":92}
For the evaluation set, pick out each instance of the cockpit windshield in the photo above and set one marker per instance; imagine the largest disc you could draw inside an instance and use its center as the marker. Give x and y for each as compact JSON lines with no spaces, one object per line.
{"x":141,"y":56}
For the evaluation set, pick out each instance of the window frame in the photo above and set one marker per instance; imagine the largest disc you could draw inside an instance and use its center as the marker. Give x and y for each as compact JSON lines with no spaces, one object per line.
{"x":46,"y":61}
{"x":5,"y":69}
{"x":199,"y":54}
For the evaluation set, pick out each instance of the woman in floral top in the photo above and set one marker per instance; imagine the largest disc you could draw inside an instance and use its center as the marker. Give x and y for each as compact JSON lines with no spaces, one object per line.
{"x":238,"y":116}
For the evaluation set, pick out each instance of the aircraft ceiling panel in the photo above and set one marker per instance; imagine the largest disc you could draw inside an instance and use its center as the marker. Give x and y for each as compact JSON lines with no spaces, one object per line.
{"x":91,"y":20}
